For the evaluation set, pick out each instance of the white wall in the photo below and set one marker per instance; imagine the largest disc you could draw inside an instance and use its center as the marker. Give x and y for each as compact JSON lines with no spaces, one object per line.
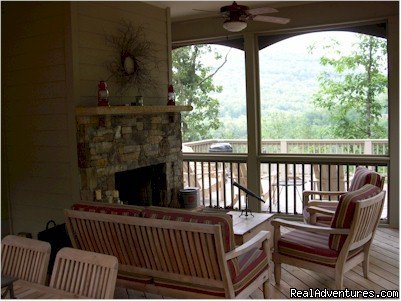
{"x":53,"y":56}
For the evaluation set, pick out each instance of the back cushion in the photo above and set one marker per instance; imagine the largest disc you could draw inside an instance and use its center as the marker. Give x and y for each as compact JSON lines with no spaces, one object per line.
{"x":224,"y":220}
{"x":127,"y":210}
{"x":344,"y":214}
{"x":365,"y":176}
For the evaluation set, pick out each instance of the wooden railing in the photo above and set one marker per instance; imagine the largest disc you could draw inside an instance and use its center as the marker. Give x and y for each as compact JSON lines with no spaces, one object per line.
{"x":302,"y":146}
{"x":283,"y":177}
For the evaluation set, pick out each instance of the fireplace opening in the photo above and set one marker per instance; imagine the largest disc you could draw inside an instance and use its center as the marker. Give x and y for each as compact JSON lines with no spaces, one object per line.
{"x":145,"y":186}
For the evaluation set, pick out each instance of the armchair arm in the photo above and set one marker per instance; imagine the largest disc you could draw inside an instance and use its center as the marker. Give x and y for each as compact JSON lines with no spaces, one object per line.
{"x":324,"y":204}
{"x":250,"y":244}
{"x":307,"y":193}
{"x":308,"y":228}
{"x":313,"y":210}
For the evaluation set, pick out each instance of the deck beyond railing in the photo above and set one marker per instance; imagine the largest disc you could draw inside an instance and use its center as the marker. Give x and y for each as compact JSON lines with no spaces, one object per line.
{"x":283,"y":176}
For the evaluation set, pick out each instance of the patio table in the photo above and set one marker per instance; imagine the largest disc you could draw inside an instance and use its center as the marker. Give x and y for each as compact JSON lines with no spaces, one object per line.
{"x":29,"y":290}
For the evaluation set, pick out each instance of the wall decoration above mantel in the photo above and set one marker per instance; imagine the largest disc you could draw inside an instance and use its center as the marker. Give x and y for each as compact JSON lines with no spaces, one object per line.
{"x":134,"y":59}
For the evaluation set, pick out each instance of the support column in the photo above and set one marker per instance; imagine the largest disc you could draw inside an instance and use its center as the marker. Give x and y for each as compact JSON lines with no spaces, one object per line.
{"x":393,"y":51}
{"x":253,"y":116}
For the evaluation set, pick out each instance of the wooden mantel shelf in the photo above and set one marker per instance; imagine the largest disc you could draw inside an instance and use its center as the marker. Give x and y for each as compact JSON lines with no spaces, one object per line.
{"x":127,"y":110}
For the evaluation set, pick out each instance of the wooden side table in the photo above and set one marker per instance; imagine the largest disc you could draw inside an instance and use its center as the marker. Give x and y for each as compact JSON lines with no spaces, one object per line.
{"x":247,"y":227}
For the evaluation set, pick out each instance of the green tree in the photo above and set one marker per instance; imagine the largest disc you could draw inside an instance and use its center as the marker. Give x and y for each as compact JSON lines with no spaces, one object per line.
{"x":193,"y":83}
{"x":352,"y":95}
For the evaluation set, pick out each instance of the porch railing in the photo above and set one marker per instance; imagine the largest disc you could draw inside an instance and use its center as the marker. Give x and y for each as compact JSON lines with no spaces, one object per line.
{"x":283,"y":176}
{"x":302,"y":146}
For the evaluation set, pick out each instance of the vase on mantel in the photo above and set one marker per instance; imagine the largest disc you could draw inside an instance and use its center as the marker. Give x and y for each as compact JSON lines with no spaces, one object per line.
{"x":103,"y":94}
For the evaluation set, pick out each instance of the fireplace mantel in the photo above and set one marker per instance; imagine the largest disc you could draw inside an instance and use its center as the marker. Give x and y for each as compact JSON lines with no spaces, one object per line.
{"x":129,"y":110}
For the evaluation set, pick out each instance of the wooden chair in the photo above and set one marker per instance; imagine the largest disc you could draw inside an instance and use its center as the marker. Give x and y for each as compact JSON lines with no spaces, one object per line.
{"x":176,"y":253}
{"x":25,"y":258}
{"x":86,"y":274}
{"x":196,"y":174}
{"x":328,"y":178}
{"x":321,"y":212}
{"x":332,"y":250}
{"x":240,"y":174}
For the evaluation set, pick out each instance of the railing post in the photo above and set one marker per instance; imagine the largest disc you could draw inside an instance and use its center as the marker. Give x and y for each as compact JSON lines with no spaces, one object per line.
{"x":283,"y":146}
{"x":368,"y":147}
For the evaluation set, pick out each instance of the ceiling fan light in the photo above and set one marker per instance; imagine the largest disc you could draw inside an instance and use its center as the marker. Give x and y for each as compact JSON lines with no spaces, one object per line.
{"x":234,"y":26}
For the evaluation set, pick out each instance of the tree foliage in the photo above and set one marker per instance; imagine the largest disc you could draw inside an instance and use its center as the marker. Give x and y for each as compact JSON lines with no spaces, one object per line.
{"x":193,"y":84}
{"x":353,"y":95}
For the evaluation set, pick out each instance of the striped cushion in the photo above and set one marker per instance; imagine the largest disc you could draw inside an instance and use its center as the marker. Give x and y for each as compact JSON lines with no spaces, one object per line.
{"x":365,"y":176}
{"x":132,"y":277}
{"x":224,"y":220}
{"x":310,"y":247}
{"x":321,"y":219}
{"x":251,"y":265}
{"x":345,"y":212}
{"x":127,"y":210}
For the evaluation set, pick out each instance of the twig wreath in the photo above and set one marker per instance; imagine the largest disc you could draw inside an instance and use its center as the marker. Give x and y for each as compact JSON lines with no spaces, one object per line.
{"x":135,"y":58}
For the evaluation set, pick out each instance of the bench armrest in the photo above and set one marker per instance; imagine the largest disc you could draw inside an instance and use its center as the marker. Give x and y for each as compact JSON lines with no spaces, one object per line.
{"x":250,"y":244}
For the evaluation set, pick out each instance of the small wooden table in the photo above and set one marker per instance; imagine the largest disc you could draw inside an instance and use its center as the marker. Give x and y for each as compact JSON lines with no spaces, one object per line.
{"x":247,"y":227}
{"x":28,"y":290}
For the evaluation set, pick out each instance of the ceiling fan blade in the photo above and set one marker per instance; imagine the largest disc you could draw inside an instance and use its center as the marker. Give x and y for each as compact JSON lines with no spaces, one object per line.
{"x":261,"y":10}
{"x":271,"y":19}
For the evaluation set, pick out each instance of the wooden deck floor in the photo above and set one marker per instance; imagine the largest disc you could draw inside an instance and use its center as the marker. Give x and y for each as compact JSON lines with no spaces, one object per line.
{"x":384,"y":273}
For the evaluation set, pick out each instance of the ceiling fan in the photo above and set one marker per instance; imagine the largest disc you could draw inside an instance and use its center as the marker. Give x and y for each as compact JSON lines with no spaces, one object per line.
{"x":236,"y":16}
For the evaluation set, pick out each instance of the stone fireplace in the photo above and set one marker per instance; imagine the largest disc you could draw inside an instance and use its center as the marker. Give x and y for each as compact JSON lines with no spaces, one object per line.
{"x":136,"y":150}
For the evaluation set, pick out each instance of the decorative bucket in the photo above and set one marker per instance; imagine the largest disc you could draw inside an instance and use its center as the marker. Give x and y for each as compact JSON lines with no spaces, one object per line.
{"x":189,"y":197}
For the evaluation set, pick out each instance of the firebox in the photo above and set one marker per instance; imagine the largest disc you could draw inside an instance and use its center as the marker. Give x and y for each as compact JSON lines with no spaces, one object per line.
{"x":145,"y":186}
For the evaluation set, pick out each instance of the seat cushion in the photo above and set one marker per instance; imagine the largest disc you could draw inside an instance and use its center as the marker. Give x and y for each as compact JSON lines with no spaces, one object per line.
{"x":127,"y":210}
{"x":365,"y":176}
{"x":310,"y":247}
{"x":224,"y":220}
{"x":321,"y":219}
{"x":344,"y":214}
{"x":251,"y":265}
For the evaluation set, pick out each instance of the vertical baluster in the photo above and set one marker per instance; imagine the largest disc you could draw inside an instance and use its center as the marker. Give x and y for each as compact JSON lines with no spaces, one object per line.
{"x":210,"y":185}
{"x":216,"y":167}
{"x":203,"y":184}
{"x":239,"y":181}
{"x":231,"y":186}
{"x":224,"y":185}
{"x":295,"y":187}
{"x":286,"y":187}
{"x":329,"y":179}
{"x":347,"y":177}
{"x":270,"y":186}
{"x":278,"y":187}
{"x":320,"y":179}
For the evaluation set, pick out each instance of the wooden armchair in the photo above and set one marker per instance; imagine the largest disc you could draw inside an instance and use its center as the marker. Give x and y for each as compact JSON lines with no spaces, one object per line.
{"x":321,"y":212}
{"x":91,"y":275}
{"x":337,"y":249}
{"x":25,"y":258}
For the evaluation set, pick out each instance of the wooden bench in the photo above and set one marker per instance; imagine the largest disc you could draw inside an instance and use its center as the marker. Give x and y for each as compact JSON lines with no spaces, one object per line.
{"x":173,"y":252}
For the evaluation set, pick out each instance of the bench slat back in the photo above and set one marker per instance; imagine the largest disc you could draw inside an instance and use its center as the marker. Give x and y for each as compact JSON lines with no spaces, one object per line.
{"x":186,"y":251}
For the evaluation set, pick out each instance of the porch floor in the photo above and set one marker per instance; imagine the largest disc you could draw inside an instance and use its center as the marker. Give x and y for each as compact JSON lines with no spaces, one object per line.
{"x":384,"y":273}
